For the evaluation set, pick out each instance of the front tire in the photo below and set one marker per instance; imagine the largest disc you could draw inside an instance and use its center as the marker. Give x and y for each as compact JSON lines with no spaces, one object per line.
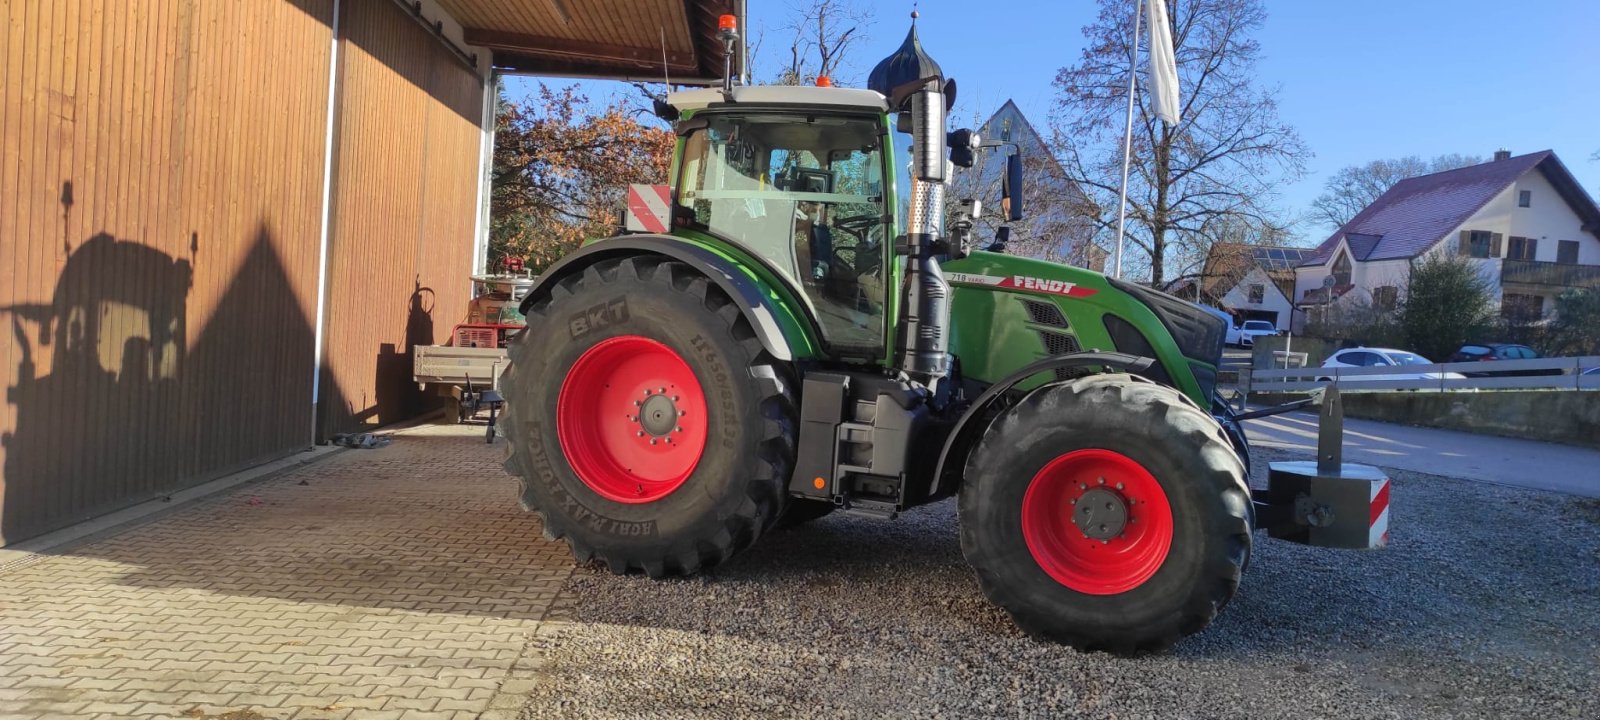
{"x":650,"y":428}
{"x":1108,"y":513}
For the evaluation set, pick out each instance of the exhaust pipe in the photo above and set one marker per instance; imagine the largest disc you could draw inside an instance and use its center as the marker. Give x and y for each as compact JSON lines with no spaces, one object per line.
{"x":914,"y":86}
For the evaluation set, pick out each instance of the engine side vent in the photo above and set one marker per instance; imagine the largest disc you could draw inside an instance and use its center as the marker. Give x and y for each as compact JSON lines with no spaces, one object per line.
{"x":1056,"y":343}
{"x":1044,"y":313}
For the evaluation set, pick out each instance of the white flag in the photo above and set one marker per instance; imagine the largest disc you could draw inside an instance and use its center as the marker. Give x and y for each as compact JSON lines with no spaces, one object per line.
{"x":1163,"y":66}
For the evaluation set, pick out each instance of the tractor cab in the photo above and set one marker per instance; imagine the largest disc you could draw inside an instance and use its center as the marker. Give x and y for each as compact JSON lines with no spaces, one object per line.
{"x":802,"y":178}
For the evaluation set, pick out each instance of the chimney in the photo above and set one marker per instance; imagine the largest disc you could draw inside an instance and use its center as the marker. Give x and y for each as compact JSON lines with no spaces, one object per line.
{"x":1502,"y":154}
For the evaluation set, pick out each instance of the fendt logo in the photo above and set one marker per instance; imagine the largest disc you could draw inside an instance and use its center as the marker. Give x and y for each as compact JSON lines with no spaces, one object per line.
{"x":1058,"y":287}
{"x":1023,"y":282}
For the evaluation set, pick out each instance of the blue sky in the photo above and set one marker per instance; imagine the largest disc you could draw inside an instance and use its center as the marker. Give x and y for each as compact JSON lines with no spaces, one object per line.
{"x":1359,"y":79}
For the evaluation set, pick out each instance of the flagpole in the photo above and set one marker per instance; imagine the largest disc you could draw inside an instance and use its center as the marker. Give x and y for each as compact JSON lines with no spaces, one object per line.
{"x":1127,"y":138}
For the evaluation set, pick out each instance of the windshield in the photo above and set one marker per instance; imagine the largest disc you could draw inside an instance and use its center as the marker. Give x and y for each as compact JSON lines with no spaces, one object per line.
{"x":1258,"y":325}
{"x":1405,"y":358}
{"x":806,"y":194}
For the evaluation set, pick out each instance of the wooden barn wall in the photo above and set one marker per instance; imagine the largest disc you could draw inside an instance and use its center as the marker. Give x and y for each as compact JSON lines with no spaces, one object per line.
{"x":405,"y":204}
{"x":161,"y":179}
{"x":160,"y":194}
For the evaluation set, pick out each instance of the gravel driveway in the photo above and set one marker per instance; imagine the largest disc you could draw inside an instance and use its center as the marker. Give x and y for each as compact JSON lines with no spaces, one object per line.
{"x":1487,"y":604}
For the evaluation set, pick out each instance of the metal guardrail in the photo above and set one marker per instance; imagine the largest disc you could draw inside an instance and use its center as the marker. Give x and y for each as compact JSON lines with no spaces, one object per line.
{"x":1568,"y":375}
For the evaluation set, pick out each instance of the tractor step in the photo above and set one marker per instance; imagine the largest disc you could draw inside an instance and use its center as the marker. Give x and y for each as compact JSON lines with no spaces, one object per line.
{"x":868,"y":507}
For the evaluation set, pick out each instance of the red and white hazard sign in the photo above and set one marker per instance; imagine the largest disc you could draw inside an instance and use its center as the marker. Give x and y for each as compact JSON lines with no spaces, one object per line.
{"x":1378,"y":516}
{"x":649,"y":208}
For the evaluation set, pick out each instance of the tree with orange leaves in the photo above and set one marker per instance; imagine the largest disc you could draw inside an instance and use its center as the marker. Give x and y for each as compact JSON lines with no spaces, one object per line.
{"x":561,"y":171}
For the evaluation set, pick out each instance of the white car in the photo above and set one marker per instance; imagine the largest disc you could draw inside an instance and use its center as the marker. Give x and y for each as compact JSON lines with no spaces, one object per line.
{"x":1361,"y":357}
{"x":1253,"y":329}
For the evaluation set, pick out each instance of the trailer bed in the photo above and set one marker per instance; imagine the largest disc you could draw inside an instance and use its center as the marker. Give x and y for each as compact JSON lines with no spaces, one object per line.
{"x":463,"y":366}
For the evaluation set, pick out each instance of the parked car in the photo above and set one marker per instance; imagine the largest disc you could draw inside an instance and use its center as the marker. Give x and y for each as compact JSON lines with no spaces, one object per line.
{"x":1491,"y":352}
{"x":1252,"y":329}
{"x":1400,"y":360}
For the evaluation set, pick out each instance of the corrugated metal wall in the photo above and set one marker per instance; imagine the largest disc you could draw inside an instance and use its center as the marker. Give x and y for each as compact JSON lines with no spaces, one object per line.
{"x":161,"y":182}
{"x":407,"y":164}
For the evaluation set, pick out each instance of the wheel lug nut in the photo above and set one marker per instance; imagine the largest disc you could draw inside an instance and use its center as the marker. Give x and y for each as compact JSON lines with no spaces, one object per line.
{"x":663,"y":391}
{"x":1119,"y":486}
{"x":674,"y":398}
{"x":636,"y":403}
{"x":640,"y":433}
{"x":1102,"y":481}
{"x":678,"y":429}
{"x":682,"y":413}
{"x":652,"y":441}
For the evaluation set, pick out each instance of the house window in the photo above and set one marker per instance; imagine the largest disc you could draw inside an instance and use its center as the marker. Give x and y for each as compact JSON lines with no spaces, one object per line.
{"x":1383,"y":298}
{"x":1517,"y":307}
{"x":1478,"y":244}
{"x":1567,"y":252}
{"x":1525,"y":198}
{"x":1258,"y":294}
{"x":1341,"y":269}
{"x":1522,"y":248}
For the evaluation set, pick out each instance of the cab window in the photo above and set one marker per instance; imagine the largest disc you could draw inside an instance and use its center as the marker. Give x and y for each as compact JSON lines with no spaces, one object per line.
{"x":807,"y":195}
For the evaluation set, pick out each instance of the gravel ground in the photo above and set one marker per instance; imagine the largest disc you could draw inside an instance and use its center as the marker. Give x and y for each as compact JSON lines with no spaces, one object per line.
{"x":1487,"y":604}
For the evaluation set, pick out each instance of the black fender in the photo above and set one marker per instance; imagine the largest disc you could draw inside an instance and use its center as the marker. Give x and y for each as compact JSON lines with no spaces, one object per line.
{"x":757,"y":306}
{"x":953,"y":458}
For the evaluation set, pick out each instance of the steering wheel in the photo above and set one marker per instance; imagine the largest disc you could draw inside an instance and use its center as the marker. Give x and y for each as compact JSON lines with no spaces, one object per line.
{"x":858,"y":225}
{"x":863,"y":256}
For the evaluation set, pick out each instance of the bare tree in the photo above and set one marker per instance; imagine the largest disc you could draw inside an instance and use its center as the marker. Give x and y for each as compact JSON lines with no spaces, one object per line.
{"x":824,"y":33}
{"x":1355,"y":187}
{"x":1223,"y":160}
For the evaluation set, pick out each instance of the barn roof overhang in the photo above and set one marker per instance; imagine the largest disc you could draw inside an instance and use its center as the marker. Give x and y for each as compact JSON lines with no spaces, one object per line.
{"x":613,"y":39}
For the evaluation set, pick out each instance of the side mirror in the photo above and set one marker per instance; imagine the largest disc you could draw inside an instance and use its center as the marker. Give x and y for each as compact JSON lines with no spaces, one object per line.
{"x":1011,"y":188}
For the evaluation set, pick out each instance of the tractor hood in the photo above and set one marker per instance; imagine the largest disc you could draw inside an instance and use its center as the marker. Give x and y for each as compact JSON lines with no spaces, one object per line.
{"x":1002,"y":322}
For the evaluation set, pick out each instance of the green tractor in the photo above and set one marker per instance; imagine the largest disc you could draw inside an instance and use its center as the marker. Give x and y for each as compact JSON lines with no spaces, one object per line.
{"x":799,"y":335}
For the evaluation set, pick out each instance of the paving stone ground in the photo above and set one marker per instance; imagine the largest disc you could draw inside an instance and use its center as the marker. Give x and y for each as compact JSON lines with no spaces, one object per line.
{"x":402,"y":582}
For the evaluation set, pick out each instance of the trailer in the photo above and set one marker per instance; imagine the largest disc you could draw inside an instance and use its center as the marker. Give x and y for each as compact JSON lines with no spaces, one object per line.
{"x":466,"y":373}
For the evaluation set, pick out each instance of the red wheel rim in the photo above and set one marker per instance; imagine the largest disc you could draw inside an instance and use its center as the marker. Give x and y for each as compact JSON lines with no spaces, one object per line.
{"x":1057,"y":538}
{"x":631,"y":419}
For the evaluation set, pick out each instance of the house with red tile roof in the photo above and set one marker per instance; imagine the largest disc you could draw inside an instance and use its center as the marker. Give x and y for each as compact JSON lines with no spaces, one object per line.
{"x":1251,"y":282}
{"x":1533,"y":228}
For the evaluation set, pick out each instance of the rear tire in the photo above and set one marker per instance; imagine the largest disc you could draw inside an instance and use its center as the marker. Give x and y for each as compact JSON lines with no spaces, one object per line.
{"x":1164,"y":462}
{"x":713,"y":479}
